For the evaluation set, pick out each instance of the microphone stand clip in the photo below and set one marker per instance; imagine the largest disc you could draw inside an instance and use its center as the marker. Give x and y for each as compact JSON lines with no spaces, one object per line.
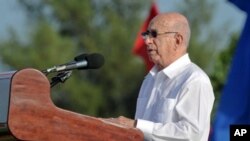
{"x":60,"y":77}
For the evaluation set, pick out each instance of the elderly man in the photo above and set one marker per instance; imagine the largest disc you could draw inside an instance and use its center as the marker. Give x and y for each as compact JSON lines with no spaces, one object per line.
{"x":176,"y":97}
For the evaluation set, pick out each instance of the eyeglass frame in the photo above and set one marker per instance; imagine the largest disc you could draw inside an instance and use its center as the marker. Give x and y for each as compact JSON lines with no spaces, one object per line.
{"x":153,"y":33}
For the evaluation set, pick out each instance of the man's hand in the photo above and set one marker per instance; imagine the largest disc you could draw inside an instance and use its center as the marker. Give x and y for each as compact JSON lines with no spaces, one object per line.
{"x":122,"y":121}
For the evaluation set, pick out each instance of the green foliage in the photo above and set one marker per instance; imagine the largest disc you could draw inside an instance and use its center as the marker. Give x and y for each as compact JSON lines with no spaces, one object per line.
{"x":221,"y":69}
{"x":64,"y":29}
{"x":40,"y":52}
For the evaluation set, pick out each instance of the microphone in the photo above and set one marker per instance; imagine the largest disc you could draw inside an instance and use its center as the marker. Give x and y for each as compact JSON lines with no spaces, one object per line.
{"x":81,"y":57}
{"x":83,"y":61}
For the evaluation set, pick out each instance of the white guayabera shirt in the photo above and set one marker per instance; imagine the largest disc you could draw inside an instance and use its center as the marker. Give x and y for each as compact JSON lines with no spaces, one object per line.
{"x":175,"y":104}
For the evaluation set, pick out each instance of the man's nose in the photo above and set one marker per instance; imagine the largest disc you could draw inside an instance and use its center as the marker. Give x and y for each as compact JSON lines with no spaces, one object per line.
{"x":148,"y":40}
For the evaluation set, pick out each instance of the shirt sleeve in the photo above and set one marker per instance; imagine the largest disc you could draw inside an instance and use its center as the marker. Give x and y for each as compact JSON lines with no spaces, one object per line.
{"x":192,"y":118}
{"x":146,"y":127}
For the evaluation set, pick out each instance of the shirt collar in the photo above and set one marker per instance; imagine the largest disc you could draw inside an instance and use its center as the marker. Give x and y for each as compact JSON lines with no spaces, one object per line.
{"x":153,"y":71}
{"x":174,"y":68}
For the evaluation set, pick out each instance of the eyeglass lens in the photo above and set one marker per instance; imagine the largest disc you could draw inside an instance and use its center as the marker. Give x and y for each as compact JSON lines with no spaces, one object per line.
{"x":152,"y":33}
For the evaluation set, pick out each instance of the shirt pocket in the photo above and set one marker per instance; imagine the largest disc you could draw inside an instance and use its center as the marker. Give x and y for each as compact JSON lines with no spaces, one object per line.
{"x":164,"y":110}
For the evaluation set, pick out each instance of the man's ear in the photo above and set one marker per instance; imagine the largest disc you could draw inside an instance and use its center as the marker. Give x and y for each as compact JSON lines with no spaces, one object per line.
{"x":178,"y":39}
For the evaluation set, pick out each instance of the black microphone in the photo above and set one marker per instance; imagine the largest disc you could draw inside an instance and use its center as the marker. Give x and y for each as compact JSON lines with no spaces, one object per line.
{"x":81,"y":57}
{"x":83,"y":61}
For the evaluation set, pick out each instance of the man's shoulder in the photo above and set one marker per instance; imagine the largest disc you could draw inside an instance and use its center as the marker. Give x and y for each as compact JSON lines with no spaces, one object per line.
{"x":193,"y":71}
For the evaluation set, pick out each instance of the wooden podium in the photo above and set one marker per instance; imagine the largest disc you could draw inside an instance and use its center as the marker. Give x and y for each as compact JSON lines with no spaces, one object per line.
{"x":28,"y":113}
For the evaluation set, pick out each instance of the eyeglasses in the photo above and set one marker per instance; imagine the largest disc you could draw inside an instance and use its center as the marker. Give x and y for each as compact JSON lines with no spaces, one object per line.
{"x":153,"y":33}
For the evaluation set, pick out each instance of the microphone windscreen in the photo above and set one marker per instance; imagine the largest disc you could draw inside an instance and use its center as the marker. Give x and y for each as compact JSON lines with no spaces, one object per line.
{"x":95,"y":61}
{"x":81,"y":57}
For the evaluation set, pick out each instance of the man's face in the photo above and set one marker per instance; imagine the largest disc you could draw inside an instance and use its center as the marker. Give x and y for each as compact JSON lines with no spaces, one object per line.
{"x":160,"y":48}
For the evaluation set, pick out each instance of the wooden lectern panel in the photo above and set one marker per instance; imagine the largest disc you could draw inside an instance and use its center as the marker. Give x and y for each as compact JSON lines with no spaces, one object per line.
{"x":34,"y":117}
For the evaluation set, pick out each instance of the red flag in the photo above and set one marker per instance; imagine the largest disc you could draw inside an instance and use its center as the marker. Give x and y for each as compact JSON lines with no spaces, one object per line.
{"x":139,"y":46}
